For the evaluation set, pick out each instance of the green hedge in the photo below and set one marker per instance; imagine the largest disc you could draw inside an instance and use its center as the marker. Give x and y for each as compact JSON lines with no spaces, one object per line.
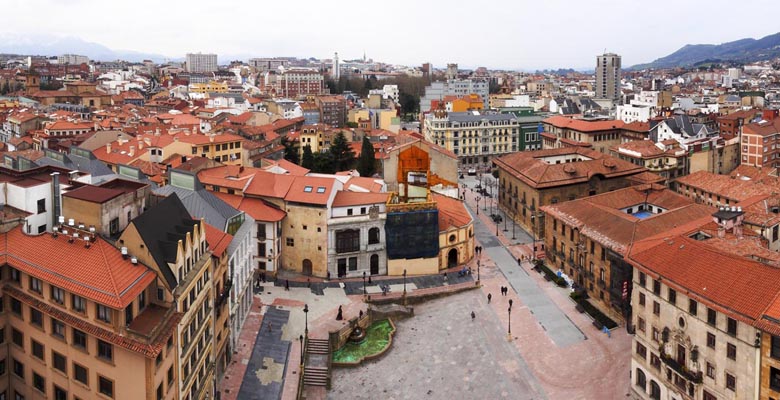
{"x":593,"y":311}
{"x":558,"y":280}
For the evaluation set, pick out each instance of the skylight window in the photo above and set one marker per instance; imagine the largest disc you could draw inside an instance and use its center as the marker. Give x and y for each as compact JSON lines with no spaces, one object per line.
{"x":307,"y":189}
{"x":320,"y":189}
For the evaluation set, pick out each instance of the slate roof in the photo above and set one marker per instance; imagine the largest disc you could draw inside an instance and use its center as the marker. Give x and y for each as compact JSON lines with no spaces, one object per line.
{"x":201,"y":203}
{"x":160,"y":228}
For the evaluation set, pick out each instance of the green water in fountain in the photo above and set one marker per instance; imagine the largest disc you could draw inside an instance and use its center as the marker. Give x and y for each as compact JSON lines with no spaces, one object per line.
{"x":377,"y":337}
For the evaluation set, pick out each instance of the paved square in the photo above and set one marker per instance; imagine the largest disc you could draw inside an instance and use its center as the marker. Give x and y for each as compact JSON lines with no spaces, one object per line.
{"x":440,"y":353}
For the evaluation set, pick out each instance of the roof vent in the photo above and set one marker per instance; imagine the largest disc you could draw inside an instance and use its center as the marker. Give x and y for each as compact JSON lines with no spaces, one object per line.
{"x":739,"y":209}
{"x":124,"y":252}
{"x":92,"y":229}
{"x":61,"y":219}
{"x":87,"y":243}
{"x":71,"y":222}
{"x":81,"y":226}
{"x":133,"y":260}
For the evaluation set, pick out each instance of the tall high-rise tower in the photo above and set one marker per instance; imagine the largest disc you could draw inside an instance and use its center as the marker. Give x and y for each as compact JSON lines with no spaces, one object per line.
{"x":336,"y":73}
{"x":608,"y":76}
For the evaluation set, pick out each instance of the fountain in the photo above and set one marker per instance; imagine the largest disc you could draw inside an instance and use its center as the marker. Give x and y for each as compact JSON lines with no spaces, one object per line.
{"x":358,"y":335}
{"x":365,"y":344}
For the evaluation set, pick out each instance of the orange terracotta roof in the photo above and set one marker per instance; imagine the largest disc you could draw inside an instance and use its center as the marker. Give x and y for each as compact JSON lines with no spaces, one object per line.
{"x":530,"y":167}
{"x":763,"y":128}
{"x":98,"y":273}
{"x":743,"y":289}
{"x":348,"y":199}
{"x":452,"y":212}
{"x":310,"y":190}
{"x":217,"y":239}
{"x":363,"y":183}
{"x":580,"y":125}
{"x":256,"y":208}
{"x":291,"y":168}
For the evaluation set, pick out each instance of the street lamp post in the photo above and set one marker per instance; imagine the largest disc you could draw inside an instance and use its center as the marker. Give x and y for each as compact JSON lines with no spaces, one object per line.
{"x":478,"y":204}
{"x":364,"y":283}
{"x":306,"y":316}
{"x":509,"y":321}
{"x":533,"y":236}
{"x":478,"y":265}
{"x":513,"y":225}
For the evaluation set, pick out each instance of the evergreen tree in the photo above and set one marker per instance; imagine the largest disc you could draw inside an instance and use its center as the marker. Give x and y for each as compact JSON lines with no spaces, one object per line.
{"x":324,"y":163}
{"x":307,"y":160}
{"x":290,"y":152}
{"x":342,"y":155}
{"x":366,"y":165}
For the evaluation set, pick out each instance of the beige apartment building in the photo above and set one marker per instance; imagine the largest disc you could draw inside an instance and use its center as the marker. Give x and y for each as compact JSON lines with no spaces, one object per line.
{"x":81,"y":321}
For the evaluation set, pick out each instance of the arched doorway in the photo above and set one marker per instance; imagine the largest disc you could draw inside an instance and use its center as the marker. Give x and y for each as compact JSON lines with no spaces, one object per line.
{"x":306,"y":267}
{"x":452,"y":258}
{"x":374,"y":262}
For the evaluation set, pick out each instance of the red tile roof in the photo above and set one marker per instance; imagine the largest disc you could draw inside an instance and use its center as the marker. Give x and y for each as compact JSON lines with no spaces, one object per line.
{"x":258,"y":209}
{"x":93,"y":194}
{"x":311,"y":190}
{"x":580,"y":125}
{"x":217,"y":239}
{"x":98,"y":273}
{"x":530,"y":167}
{"x":452,"y":212}
{"x":347,"y":199}
{"x":742,"y":288}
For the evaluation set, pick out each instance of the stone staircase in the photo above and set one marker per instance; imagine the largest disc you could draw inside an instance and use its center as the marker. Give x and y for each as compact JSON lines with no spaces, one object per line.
{"x":317,"y":368}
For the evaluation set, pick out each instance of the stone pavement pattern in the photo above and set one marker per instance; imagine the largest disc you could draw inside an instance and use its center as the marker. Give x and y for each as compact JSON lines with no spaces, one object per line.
{"x":441,"y":353}
{"x":265,"y":369}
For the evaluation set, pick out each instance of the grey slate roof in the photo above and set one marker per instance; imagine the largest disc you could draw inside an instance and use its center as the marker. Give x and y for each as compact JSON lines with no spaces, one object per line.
{"x":201,"y":203}
{"x":160,"y":228}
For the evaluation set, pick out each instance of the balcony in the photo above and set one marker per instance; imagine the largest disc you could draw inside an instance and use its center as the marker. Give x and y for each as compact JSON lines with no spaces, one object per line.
{"x":683,"y":371}
{"x":224,"y":294}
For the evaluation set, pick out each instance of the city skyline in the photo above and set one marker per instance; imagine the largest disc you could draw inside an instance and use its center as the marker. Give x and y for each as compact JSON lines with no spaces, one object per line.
{"x":560,"y":39}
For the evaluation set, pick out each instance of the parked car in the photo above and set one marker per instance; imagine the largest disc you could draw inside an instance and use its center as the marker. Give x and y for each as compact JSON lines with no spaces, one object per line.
{"x":472,"y":171}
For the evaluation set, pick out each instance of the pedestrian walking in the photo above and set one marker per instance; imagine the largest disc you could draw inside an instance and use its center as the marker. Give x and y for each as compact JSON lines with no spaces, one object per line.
{"x":473,"y":316}
{"x":490,"y":296}
{"x":287,"y":285}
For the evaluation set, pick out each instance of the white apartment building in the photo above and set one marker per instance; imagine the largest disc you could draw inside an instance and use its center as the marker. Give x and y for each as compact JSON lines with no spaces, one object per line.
{"x":199,"y":62}
{"x":474,"y":138}
{"x":72,"y":59}
{"x":455,"y":87}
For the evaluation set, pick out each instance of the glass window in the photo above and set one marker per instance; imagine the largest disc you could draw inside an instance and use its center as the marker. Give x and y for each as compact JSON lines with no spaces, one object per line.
{"x":80,"y":374}
{"x":105,"y":350}
{"x":58,"y":295}
{"x":57,"y":328}
{"x":103,"y":313}
{"x":60,"y":362}
{"x":105,"y":386}
{"x":78,"y":303}
{"x":79,"y":339}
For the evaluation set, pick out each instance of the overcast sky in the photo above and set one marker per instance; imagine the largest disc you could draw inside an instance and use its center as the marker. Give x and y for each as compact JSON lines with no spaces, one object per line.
{"x":517,"y":34}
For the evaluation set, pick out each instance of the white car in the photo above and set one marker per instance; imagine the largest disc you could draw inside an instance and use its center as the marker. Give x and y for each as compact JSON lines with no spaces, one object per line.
{"x":472,"y":171}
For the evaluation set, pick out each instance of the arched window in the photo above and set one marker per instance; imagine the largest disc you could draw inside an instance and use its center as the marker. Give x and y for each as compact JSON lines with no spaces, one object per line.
{"x":373,"y":236}
{"x":641,"y":380}
{"x":655,"y":391}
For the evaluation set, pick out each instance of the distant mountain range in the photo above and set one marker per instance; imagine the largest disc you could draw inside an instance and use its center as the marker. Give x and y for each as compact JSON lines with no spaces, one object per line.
{"x":743,"y":50}
{"x":49,"y":45}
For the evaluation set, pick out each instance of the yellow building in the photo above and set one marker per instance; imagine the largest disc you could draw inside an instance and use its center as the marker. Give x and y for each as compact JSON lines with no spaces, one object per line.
{"x":211,"y":87}
{"x":76,"y":335}
{"x":168,"y":240}
{"x":469,"y":102}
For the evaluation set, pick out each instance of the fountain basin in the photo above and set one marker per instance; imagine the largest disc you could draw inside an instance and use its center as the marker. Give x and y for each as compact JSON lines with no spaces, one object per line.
{"x":378,"y":339}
